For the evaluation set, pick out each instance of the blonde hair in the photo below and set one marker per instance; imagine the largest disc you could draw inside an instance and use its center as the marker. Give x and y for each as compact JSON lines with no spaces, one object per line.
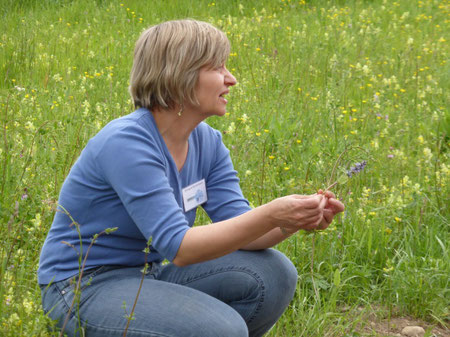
{"x":168,"y":58}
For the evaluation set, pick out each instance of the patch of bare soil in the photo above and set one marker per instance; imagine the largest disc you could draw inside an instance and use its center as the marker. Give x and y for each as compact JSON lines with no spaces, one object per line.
{"x":394,"y":327}
{"x":377,"y":324}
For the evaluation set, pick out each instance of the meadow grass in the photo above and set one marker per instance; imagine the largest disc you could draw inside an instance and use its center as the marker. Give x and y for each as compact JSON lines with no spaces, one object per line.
{"x":316,"y":79}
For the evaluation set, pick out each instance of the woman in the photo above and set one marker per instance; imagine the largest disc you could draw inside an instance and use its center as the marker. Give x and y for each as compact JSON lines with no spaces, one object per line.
{"x":146,"y":173}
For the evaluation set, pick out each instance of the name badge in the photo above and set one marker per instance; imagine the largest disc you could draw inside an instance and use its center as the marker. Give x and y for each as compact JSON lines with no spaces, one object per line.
{"x":194,"y":195}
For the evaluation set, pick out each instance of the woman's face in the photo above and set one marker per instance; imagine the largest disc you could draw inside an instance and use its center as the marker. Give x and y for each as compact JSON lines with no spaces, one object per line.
{"x":212,"y":86}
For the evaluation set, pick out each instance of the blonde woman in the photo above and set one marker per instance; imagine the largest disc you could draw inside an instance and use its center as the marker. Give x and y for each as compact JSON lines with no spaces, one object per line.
{"x":147,"y":173}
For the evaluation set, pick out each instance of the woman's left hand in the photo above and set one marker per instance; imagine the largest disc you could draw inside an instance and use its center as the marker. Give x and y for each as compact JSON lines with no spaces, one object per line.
{"x":332,"y":207}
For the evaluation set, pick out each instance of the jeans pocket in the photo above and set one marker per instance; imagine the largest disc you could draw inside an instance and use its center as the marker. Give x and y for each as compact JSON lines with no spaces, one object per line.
{"x":89,"y":275}
{"x":73,"y":287}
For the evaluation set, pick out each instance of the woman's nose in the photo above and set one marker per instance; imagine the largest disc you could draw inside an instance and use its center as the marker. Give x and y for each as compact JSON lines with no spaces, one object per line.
{"x":230,"y":80}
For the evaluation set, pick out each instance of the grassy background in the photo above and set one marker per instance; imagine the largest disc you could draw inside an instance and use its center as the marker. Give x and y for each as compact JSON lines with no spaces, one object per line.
{"x":316,"y":79}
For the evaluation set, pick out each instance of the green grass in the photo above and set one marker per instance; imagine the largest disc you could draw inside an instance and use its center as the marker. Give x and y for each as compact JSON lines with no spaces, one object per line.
{"x":315,"y":79}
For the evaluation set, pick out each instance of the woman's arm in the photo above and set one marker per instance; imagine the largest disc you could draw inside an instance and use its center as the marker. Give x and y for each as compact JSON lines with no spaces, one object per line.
{"x":294,"y":212}
{"x":270,"y":239}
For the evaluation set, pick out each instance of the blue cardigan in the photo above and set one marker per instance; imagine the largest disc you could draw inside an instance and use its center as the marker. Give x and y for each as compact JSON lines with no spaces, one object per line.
{"x":125,"y":177}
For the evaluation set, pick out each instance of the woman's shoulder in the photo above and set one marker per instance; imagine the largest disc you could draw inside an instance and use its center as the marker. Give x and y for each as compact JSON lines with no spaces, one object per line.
{"x":130,"y":131}
{"x":138,"y":119}
{"x":128,"y":126}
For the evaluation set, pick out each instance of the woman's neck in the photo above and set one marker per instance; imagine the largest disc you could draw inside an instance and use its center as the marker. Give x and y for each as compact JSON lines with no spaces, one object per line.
{"x":175,"y":131}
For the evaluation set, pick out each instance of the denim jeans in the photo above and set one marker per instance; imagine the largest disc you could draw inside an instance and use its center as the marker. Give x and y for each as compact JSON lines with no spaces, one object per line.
{"x":240,"y":294}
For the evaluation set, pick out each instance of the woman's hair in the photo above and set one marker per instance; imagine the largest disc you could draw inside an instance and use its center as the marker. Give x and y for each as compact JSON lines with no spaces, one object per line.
{"x":168,"y":58}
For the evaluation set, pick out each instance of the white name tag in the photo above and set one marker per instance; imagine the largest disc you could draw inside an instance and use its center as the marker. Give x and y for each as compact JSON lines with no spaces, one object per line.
{"x":194,"y":195}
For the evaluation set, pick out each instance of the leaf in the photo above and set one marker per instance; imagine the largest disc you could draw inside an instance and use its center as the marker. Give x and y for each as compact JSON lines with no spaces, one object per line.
{"x":441,"y":244}
{"x":337,"y":277}
{"x":322,"y":284}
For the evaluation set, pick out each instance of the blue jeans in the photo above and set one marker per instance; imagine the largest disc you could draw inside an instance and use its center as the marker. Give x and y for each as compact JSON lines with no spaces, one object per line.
{"x":240,"y":294}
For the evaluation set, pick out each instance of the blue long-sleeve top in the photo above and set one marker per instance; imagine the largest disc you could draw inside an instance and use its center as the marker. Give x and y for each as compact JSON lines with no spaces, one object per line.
{"x":125,"y":177}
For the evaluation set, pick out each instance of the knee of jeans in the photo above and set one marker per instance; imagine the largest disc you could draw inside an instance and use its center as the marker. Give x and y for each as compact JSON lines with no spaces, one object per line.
{"x":285,"y":272}
{"x":291,"y":272}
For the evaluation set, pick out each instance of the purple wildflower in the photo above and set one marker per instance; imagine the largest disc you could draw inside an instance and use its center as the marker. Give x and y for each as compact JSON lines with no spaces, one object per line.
{"x":357,"y":168}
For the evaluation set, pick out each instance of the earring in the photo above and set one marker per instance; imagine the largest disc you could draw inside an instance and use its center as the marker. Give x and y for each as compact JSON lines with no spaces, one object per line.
{"x":179,"y":112}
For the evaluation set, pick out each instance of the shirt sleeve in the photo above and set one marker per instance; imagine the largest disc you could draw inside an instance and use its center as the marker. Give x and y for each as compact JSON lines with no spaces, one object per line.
{"x":225,"y":198}
{"x":134,"y":166}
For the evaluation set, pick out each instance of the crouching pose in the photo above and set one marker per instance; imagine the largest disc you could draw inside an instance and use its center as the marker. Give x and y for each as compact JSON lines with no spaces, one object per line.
{"x":147,"y":173}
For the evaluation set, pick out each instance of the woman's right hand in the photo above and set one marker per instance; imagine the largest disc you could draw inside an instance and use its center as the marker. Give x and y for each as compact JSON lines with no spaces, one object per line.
{"x":295,"y":212}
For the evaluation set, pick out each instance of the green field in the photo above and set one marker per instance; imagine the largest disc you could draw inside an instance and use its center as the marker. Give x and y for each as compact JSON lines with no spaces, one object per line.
{"x":322,"y":85}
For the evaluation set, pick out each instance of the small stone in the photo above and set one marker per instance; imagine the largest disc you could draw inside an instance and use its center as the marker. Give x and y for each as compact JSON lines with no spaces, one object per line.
{"x":413,"y":331}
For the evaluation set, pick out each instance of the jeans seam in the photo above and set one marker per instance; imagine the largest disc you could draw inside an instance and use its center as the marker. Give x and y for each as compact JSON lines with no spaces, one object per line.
{"x":240,"y":269}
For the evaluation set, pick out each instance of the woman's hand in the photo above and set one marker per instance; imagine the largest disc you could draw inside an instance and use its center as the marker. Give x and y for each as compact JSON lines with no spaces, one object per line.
{"x":255,"y":229}
{"x":295,"y":212}
{"x":332,"y":207}
{"x":258,"y":228}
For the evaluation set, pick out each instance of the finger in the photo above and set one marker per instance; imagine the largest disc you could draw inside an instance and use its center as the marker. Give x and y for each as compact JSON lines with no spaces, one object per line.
{"x":323,"y":202}
{"x":310,"y":220}
{"x":308,"y":215}
{"x":323,"y":225}
{"x":315,"y":220}
{"x":312,"y":202}
{"x":313,"y":225}
{"x":336,"y":205}
{"x":302,"y":218}
{"x":326,"y":220}
{"x":330,"y":194}
{"x":307,"y":220}
{"x":328,"y":217}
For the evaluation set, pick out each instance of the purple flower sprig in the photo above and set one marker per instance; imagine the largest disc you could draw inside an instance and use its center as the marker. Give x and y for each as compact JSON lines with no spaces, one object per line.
{"x":355,"y":169}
